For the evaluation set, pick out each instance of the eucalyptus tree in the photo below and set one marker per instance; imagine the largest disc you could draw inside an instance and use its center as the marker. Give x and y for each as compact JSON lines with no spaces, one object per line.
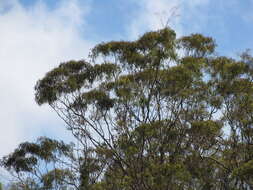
{"x":159,"y":112}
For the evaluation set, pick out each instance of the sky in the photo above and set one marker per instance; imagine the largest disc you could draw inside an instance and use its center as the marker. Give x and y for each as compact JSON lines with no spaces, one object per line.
{"x":37,"y":35}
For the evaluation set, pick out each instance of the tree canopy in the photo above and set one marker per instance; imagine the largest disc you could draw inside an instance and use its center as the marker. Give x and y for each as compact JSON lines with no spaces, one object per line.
{"x":157,"y":113}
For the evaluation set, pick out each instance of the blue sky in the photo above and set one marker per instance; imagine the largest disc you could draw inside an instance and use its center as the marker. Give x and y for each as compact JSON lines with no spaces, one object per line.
{"x":223,"y":20}
{"x":36,"y":35}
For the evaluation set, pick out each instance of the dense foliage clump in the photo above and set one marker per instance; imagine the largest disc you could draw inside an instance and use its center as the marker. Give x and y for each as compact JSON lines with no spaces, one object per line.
{"x":157,"y":113}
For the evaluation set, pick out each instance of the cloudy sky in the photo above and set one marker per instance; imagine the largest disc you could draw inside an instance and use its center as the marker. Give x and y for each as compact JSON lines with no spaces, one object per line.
{"x":36,"y":35}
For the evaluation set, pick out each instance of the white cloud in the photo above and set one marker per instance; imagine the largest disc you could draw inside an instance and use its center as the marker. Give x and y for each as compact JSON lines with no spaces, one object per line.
{"x":154,"y":14}
{"x":32,"y":41}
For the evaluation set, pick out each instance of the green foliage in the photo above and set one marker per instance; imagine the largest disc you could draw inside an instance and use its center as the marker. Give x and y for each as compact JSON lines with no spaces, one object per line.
{"x":197,"y":45}
{"x":159,"y":112}
{"x":57,"y":176}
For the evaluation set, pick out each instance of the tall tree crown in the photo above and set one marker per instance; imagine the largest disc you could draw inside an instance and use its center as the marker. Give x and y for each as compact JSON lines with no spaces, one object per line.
{"x":160,"y":112}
